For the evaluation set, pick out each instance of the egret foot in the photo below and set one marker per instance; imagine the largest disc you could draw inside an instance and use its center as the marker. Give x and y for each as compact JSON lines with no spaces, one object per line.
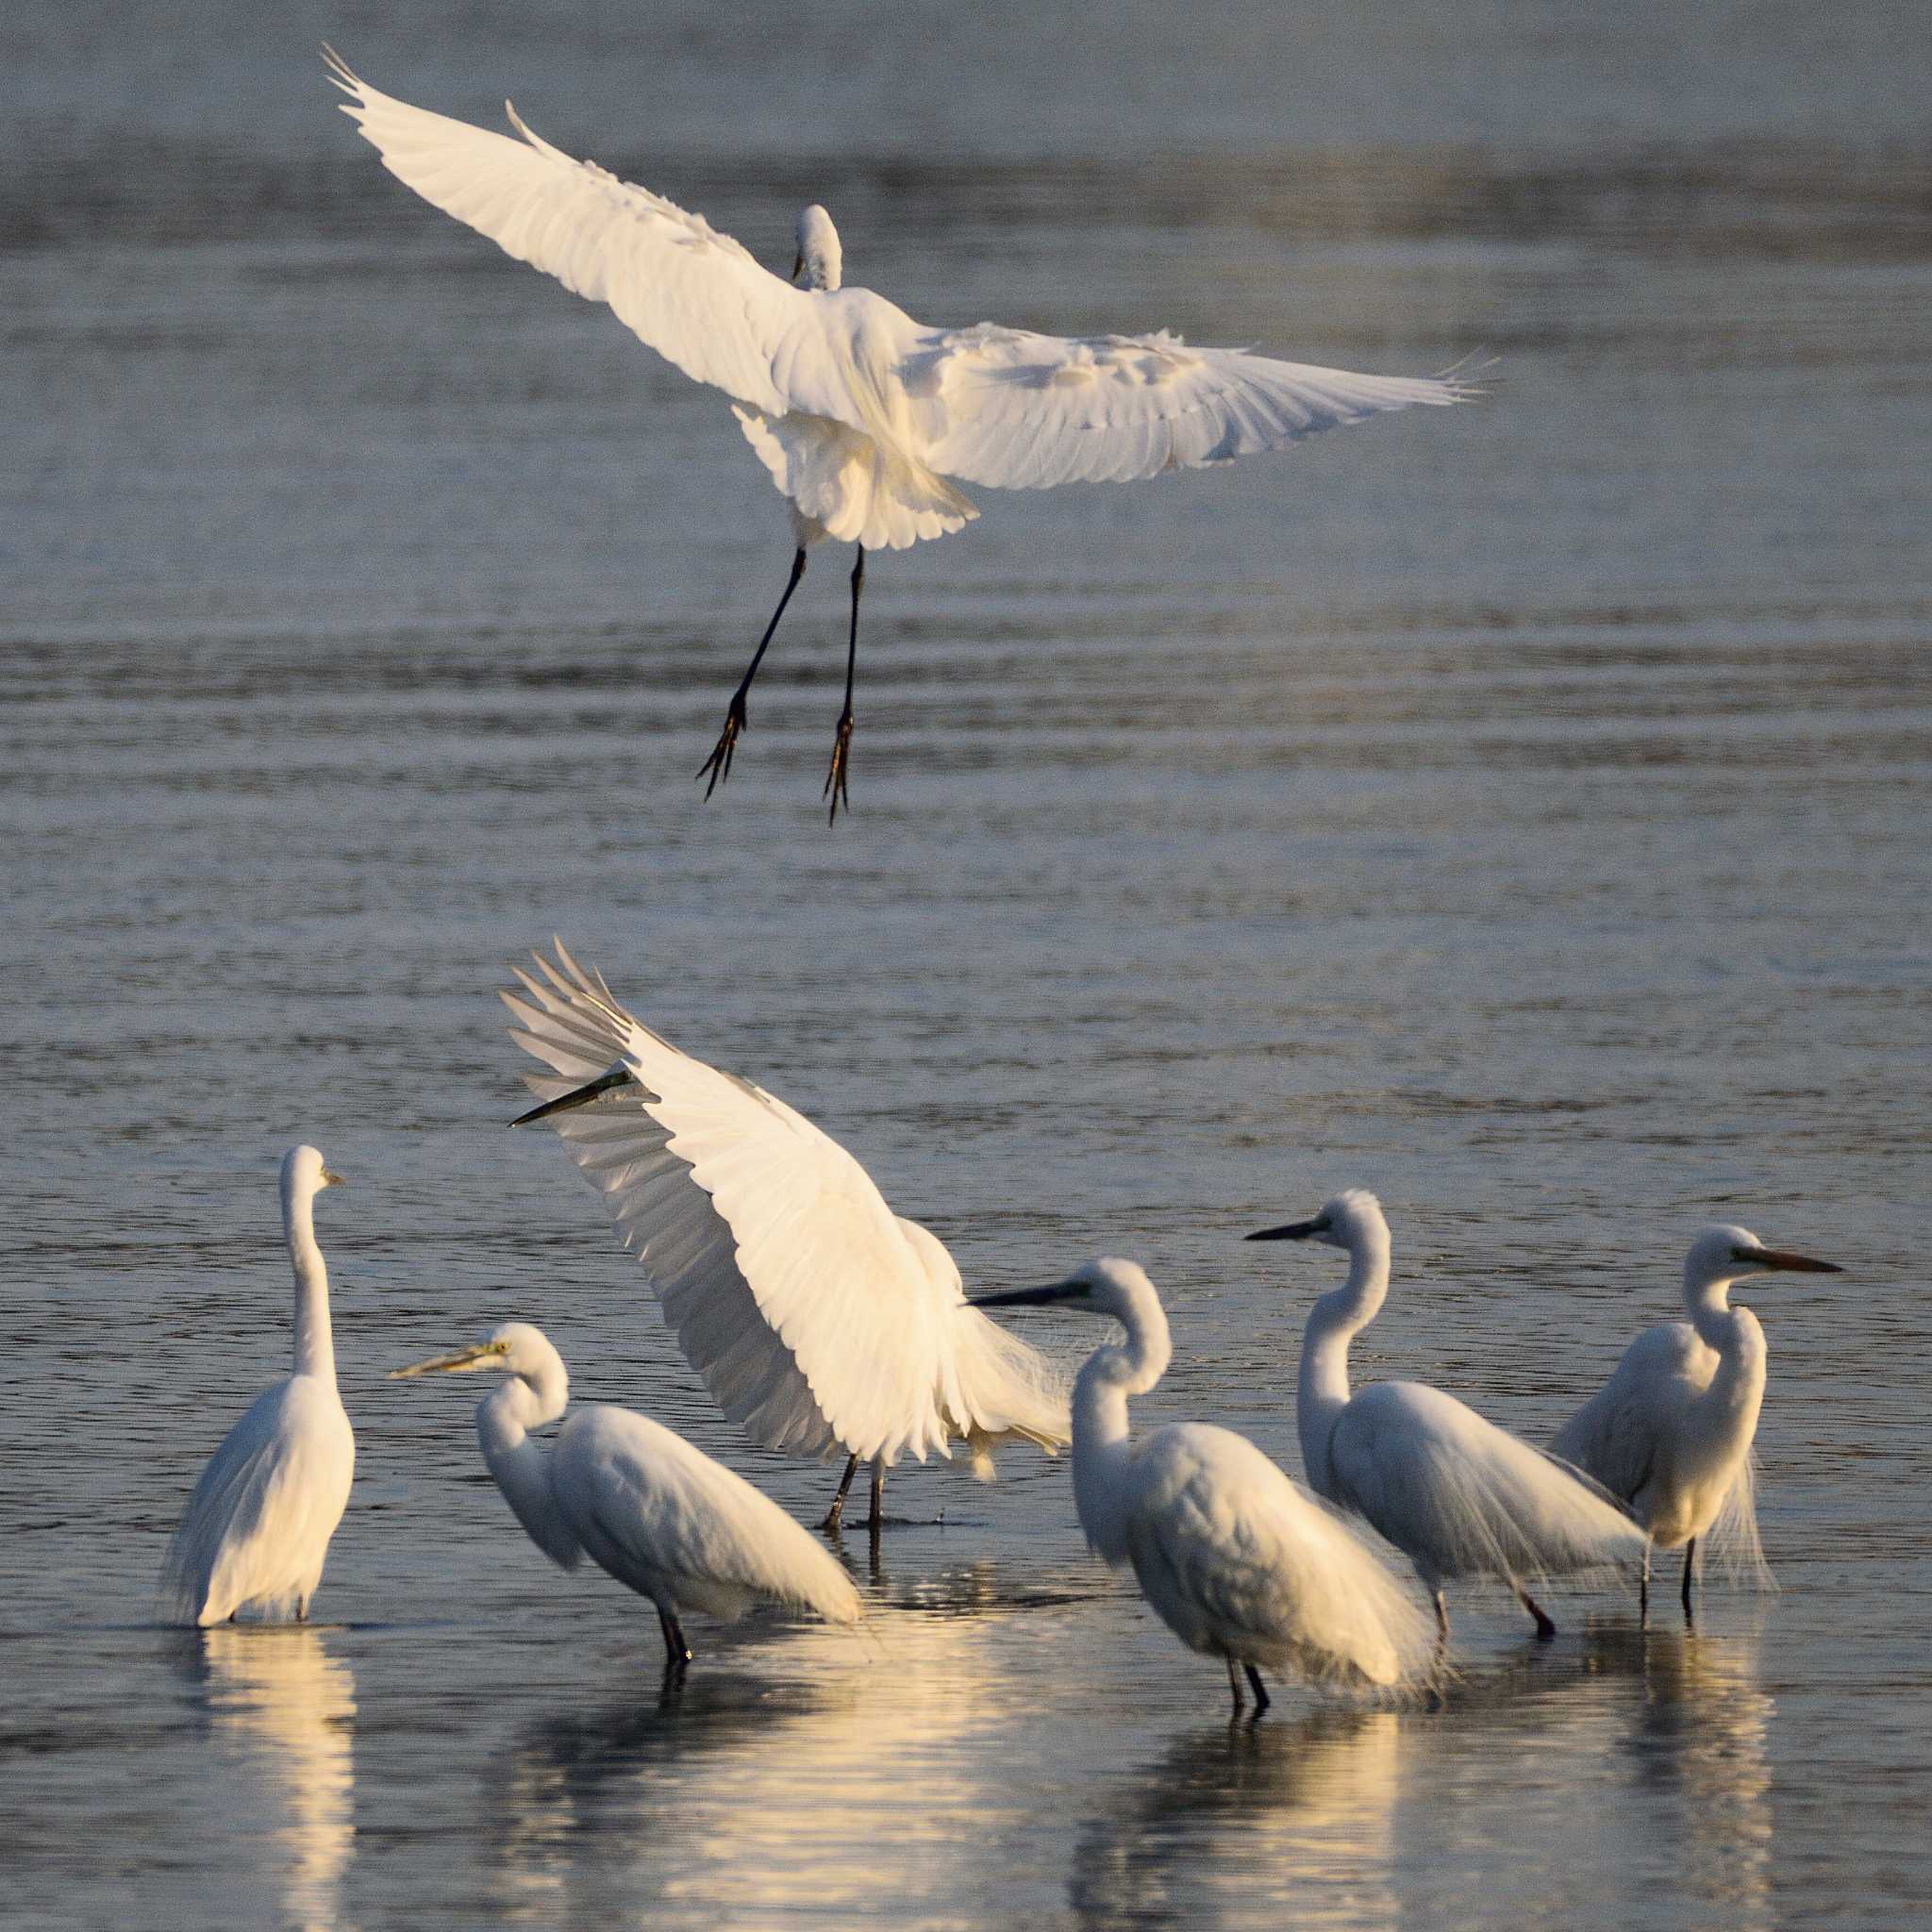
{"x":1544,"y":1629}
{"x":835,"y":778}
{"x":719,"y":763}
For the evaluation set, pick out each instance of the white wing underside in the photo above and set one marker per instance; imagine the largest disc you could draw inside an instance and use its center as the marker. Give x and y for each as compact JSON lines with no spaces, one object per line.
{"x":858,"y":412}
{"x":819,"y":1320}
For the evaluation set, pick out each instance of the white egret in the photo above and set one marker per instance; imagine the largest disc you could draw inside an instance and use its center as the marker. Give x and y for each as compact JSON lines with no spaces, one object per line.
{"x":1671,"y":1431}
{"x":1456,"y":1494}
{"x":1235,"y":1559}
{"x":860,"y":414}
{"x":660,"y":1516}
{"x":255,"y":1535}
{"x":819,"y":1319}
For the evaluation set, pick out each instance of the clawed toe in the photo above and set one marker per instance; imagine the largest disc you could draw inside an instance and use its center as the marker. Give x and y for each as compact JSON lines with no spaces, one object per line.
{"x":835,"y":778}
{"x":719,"y":764}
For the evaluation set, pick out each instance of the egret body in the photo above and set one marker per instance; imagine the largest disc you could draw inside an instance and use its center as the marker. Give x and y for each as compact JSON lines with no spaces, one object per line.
{"x":1671,"y":1431}
{"x":255,"y":1535}
{"x":1456,"y":1494}
{"x":819,"y":1319}
{"x":1233,"y":1557}
{"x":656,"y":1514}
{"x":866,"y":420}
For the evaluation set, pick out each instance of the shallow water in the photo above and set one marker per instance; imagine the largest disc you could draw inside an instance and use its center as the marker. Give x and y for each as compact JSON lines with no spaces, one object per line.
{"x":1519,"y":810}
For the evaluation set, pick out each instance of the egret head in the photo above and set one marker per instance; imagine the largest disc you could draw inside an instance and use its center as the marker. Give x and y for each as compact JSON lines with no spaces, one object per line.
{"x":302,"y":1171}
{"x":1725,"y":1252}
{"x":1104,"y":1286}
{"x":1352,"y":1219}
{"x":517,"y":1348}
{"x":819,"y":259}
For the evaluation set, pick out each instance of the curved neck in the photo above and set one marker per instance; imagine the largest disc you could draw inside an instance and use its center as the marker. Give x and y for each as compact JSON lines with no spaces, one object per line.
{"x":1112,"y":1373}
{"x":315,"y":1351}
{"x":1708,"y":1302}
{"x":522,"y":1467}
{"x":1322,"y":1390}
{"x":1736,"y":1336}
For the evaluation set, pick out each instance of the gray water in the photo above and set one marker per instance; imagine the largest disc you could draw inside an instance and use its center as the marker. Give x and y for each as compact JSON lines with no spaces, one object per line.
{"x":1519,"y":810}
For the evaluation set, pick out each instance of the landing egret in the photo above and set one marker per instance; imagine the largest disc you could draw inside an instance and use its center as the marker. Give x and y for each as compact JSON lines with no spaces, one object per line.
{"x":255,"y":1535}
{"x":660,"y":1516}
{"x":1456,"y":1494}
{"x":819,"y":1319}
{"x":1234,"y":1559}
{"x":860,"y":414}
{"x":1671,"y":1431}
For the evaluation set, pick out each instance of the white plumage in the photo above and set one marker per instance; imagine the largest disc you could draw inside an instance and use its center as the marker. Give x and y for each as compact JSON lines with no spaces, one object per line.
{"x":1458,"y":1496}
{"x":656,"y":1514}
{"x":860,"y":414}
{"x":1232,"y":1557}
{"x":255,"y":1535}
{"x":819,"y":1319}
{"x":1671,"y":1431}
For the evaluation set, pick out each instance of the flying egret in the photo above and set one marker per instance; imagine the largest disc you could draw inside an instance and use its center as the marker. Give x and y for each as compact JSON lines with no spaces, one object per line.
{"x":1456,"y":1494}
{"x":1235,"y":1559}
{"x":860,"y":414}
{"x":1671,"y":1431}
{"x":255,"y":1534}
{"x":660,"y":1516}
{"x":819,"y":1319}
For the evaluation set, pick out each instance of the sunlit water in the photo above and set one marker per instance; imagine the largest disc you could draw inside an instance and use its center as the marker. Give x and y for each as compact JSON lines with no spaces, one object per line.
{"x":1521,"y":810}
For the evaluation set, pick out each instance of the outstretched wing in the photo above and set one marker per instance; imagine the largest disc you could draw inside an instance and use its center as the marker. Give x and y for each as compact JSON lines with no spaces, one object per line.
{"x":1022,"y":411}
{"x":693,"y":294}
{"x":790,"y":1285}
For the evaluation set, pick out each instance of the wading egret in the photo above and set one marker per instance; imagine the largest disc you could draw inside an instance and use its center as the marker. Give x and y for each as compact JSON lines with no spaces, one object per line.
{"x":1456,"y":1494}
{"x":860,"y":414}
{"x":819,"y":1319}
{"x":1671,"y":1431}
{"x":256,"y":1531}
{"x":1234,"y":1559}
{"x":660,"y":1516}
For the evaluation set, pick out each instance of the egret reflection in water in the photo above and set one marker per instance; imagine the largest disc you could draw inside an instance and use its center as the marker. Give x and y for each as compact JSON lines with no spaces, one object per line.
{"x":288,"y":1708}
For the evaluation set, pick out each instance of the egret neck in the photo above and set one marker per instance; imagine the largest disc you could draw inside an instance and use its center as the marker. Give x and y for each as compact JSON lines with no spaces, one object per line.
{"x":528,"y":1400}
{"x":315,"y":1353}
{"x":1322,"y":1392}
{"x":1100,"y":1417}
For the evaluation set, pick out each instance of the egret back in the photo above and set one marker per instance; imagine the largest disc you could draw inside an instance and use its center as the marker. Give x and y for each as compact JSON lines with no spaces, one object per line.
{"x":681,"y":1529}
{"x":1461,"y":1497}
{"x":256,"y":1532}
{"x":1239,"y":1562}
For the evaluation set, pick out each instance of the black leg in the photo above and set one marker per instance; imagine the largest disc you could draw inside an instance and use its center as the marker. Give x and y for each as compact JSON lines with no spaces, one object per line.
{"x":1689,"y":1558}
{"x":876,"y":1521}
{"x":1544,"y":1629}
{"x":1644,"y":1592}
{"x":841,"y":741}
{"x":719,"y":763}
{"x":1260,"y":1689}
{"x":1234,"y":1685}
{"x":838,"y":1509}
{"x":1441,"y":1620}
{"x":676,"y":1651}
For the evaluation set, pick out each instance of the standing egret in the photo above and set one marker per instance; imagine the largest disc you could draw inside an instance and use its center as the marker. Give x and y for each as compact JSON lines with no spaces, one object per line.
{"x":660,"y":1516}
{"x":255,"y":1534}
{"x":860,"y":414}
{"x":1234,"y":1559}
{"x":1671,"y":1431}
{"x":819,"y":1319}
{"x":1456,"y":1494}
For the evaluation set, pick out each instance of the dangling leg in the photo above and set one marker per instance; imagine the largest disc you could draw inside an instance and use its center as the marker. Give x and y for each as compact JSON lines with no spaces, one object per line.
{"x":676,"y":1651}
{"x":1689,"y":1557}
{"x":1260,"y":1689}
{"x":1234,"y":1685}
{"x":841,"y":742}
{"x":838,"y":1509}
{"x":1544,"y":1629}
{"x":719,"y":763}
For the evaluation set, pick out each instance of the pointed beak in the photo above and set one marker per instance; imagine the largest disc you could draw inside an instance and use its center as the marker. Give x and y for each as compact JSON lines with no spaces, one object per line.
{"x":330,"y":1178}
{"x":1026,"y":1297}
{"x":1782,"y":1258}
{"x":1291,"y":1230}
{"x":485,"y":1354}
{"x":581,"y":1096}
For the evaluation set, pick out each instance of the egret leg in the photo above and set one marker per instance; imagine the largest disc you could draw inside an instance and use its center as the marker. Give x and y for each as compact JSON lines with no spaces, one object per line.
{"x":841,"y":740}
{"x":1544,"y":1629}
{"x":719,"y":763}
{"x":676,"y":1651}
{"x":1234,"y":1685}
{"x":1644,"y":1592}
{"x":876,"y":1521}
{"x":1441,"y":1620}
{"x":1689,"y":1558}
{"x":1259,"y":1688}
{"x":838,"y":1509}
